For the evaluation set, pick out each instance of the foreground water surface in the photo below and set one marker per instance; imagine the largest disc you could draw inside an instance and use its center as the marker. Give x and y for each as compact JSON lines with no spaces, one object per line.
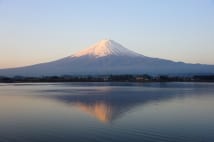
{"x":103,"y":112}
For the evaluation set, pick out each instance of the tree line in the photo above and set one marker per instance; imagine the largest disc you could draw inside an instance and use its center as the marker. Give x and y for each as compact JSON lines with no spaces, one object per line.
{"x":109,"y":78}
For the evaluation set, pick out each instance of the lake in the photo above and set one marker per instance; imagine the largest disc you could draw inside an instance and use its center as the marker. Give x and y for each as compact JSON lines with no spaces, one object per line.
{"x":104,"y":112}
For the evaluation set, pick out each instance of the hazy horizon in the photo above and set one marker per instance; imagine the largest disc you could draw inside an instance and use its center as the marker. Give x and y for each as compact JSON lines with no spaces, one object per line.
{"x":41,"y":31}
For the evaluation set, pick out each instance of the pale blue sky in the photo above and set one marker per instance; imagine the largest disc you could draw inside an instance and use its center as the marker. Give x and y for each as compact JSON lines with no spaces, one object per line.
{"x":34,"y":31}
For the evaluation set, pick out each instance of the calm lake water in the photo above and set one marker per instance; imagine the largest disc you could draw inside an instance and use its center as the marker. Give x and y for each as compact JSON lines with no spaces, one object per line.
{"x":107,"y":112}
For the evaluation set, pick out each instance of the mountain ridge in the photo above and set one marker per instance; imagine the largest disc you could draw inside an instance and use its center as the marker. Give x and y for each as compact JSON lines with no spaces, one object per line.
{"x":108,"y":57}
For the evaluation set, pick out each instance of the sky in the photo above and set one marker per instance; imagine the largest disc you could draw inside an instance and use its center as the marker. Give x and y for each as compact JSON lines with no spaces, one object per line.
{"x":36,"y":31}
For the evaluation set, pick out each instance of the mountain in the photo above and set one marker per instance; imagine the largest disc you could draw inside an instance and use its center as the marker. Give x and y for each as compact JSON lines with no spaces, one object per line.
{"x":106,"y":48}
{"x":108,"y":57}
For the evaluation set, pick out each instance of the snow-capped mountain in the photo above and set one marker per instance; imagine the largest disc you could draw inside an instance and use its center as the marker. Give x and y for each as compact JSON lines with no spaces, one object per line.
{"x":106,"y":48}
{"x":108,"y":57}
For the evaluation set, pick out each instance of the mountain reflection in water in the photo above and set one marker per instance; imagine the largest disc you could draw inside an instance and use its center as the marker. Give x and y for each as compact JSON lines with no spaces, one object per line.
{"x":117,"y":112}
{"x":100,"y":110}
{"x":110,"y":103}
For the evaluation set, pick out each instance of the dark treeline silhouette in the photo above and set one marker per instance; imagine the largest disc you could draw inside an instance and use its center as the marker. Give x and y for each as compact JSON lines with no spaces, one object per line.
{"x":110,"y":78}
{"x":208,"y":78}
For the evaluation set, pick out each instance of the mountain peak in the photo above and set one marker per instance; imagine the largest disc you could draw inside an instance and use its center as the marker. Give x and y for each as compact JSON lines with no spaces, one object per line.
{"x":106,"y":47}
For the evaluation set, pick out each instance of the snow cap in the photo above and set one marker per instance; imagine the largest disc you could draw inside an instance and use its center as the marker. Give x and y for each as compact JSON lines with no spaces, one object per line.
{"x":106,"y":47}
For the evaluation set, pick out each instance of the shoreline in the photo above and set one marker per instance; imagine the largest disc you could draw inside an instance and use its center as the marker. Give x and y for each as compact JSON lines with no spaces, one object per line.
{"x":108,"y":78}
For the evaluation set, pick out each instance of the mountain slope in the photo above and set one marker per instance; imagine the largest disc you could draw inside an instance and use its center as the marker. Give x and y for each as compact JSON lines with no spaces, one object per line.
{"x":106,"y":48}
{"x":108,"y":57}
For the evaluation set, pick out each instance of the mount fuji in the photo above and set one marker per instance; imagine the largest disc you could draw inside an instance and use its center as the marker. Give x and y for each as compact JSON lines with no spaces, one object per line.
{"x":108,"y":57}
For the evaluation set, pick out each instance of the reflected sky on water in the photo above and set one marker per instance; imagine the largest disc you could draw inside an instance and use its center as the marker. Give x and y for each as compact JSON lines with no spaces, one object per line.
{"x":107,"y":111}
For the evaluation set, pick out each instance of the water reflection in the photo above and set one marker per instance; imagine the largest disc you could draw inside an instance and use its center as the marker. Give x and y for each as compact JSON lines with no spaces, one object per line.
{"x":110,"y":103}
{"x":100,"y":110}
{"x":177,"y":112}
